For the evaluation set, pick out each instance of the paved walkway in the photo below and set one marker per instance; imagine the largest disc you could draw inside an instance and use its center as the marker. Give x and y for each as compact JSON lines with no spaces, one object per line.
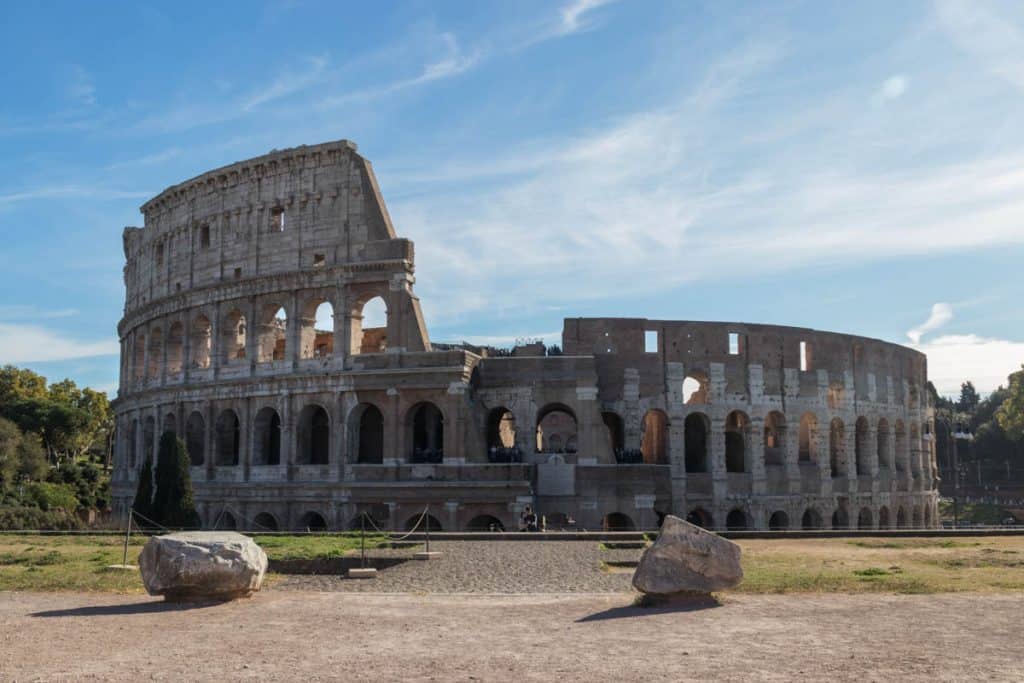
{"x":490,"y":567}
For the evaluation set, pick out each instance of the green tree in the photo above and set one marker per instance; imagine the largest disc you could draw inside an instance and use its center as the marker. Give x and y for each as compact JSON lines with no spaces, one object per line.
{"x":969,"y":398}
{"x":20,"y":383}
{"x":10,"y":443}
{"x":32,"y":463}
{"x":173,"y":505}
{"x":1010,"y":414}
{"x":143,"y":503}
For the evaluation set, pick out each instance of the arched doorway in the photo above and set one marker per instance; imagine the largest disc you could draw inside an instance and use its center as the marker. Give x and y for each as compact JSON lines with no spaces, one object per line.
{"x":226,"y":521}
{"x":654,"y":438}
{"x":366,"y":425}
{"x":501,"y":435}
{"x":313,"y":521}
{"x":313,"y":436}
{"x":864,"y":519}
{"x":837,"y":448}
{"x":840,"y":519}
{"x":883,"y":517}
{"x":422,"y":522}
{"x":485,"y":523}
{"x":860,"y":446}
{"x":779,"y":521}
{"x":695,"y":436}
{"x":265,"y":521}
{"x":701,"y":518}
{"x":882,"y":445}
{"x":228,"y":434}
{"x":425,"y":425}
{"x":617,"y":521}
{"x":808,"y":450}
{"x":556,"y":429}
{"x":267,"y":437}
{"x":811,"y":519}
{"x":737,"y":436}
{"x":901,"y":518}
{"x":616,"y":434}
{"x":775,"y":439}
{"x":736,"y":520}
{"x":195,"y":438}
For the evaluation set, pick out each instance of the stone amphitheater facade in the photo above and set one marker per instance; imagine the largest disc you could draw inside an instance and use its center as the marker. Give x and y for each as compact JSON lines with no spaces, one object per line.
{"x":292,"y":424}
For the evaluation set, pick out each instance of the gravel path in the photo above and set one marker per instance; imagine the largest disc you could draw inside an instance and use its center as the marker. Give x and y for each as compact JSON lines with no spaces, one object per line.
{"x":489,"y":567}
{"x":314,"y":636}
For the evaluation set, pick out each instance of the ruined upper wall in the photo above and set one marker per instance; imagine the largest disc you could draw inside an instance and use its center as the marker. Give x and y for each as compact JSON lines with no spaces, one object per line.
{"x":769,"y":355}
{"x":309,"y":207}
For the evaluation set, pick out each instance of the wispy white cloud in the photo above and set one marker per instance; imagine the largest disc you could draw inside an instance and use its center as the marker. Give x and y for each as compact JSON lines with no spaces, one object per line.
{"x":97,"y":193}
{"x":987,"y":362}
{"x":147,"y":160}
{"x":289,"y":82}
{"x":992,"y":34}
{"x":575,"y":14}
{"x":893,"y":88}
{"x":941,"y":314}
{"x":34,"y":344}
{"x":25,"y":312}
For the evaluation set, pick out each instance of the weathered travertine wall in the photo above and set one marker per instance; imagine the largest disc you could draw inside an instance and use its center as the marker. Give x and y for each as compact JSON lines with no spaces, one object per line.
{"x":291,"y":424}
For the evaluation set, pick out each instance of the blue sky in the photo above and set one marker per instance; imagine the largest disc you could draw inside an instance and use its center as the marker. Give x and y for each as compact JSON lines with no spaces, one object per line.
{"x":847,"y":166}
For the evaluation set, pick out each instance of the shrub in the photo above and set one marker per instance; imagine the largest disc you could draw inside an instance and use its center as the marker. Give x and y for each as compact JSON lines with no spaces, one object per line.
{"x":16,"y":517}
{"x":49,"y":496}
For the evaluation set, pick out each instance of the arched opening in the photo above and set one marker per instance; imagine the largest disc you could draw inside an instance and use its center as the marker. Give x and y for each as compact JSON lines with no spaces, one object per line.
{"x":695,"y":389}
{"x":266,"y":437}
{"x":369,"y":323}
{"x":811,"y":519}
{"x":860,"y":446}
{"x":199,"y":342}
{"x":139,"y":362}
{"x":808,"y":450}
{"x":837,"y":448}
{"x":366,"y":426}
{"x":901,"y":518}
{"x":195,"y":438}
{"x":425,"y":426}
{"x":317,"y":330}
{"x":900,"y":447}
{"x":226,"y":521}
{"x":265,"y":521}
{"x":156,"y":347}
{"x":175,"y":348}
{"x":864,"y":519}
{"x":736,"y":520}
{"x":556,"y":429}
{"x":313,"y":436}
{"x":423,"y":523}
{"x":616,"y":434}
{"x":779,"y":521}
{"x":884,"y":455}
{"x":695,"y":436}
{"x":228,"y":433}
{"x":312,"y":521}
{"x":840,"y":519}
{"x":170,"y":424}
{"x":234,"y":336}
{"x":272,"y":333}
{"x":883,"y":517}
{"x":701,"y":518}
{"x":133,"y":445}
{"x":775,"y":439}
{"x":149,"y":440}
{"x":485,"y":523}
{"x":617,"y":521}
{"x":918,"y":519}
{"x":501,"y":433}
{"x":654,"y":438}
{"x":737,"y":436}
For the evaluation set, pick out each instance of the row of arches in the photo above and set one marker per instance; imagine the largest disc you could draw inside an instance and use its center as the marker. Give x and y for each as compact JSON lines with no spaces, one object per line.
{"x":312,"y":436}
{"x":315,"y":336}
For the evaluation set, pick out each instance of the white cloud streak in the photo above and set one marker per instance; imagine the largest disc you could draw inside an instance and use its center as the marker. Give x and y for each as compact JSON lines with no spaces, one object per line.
{"x":573,"y":15}
{"x":995,"y":39}
{"x":941,"y":314}
{"x":85,"y":192}
{"x":34,"y":344}
{"x":987,"y":362}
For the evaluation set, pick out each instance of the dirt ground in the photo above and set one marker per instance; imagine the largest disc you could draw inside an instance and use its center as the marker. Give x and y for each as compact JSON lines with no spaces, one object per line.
{"x":341,"y":636}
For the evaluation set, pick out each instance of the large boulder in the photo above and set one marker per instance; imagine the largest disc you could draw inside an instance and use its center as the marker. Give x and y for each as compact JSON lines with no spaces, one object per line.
{"x":687,"y":559}
{"x":202,"y":565}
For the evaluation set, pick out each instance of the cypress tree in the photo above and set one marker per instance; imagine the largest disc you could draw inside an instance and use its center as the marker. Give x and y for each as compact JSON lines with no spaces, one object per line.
{"x":144,"y":494}
{"x":173,"y":505}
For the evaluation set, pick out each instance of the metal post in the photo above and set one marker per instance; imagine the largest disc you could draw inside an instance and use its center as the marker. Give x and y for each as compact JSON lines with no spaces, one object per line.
{"x":426,"y":521}
{"x":362,"y":539}
{"x":127,"y":536}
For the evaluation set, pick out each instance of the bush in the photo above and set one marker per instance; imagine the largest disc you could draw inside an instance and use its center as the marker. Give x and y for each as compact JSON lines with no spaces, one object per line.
{"x":49,"y":496}
{"x":173,"y":505}
{"x":16,"y":517}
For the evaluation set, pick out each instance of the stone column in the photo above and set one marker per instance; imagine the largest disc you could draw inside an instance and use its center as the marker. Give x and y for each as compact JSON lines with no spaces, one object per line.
{"x":394,"y":436}
{"x":755,"y":455}
{"x":586,"y":404}
{"x":719,"y":475}
{"x":287,"y":436}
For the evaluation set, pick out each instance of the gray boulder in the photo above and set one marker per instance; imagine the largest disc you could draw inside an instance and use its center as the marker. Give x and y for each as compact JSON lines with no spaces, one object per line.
{"x":202,"y":565}
{"x":687,"y":559}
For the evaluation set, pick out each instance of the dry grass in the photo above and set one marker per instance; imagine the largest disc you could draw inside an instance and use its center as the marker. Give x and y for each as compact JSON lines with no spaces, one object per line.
{"x":922,"y":565}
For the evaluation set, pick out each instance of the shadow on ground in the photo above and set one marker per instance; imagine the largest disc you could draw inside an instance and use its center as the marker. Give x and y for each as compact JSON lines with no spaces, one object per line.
{"x":147,"y":607}
{"x":648,"y":607}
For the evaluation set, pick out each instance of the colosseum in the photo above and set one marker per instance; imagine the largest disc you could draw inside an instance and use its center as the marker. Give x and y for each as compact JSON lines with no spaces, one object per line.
{"x":293,"y":423}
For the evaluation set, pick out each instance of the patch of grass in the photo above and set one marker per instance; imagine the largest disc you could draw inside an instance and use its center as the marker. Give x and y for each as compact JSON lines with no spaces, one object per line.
{"x":316,"y":547}
{"x":56,"y":563}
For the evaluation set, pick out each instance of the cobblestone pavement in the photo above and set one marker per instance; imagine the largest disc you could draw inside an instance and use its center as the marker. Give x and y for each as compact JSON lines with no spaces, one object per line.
{"x":490,"y":567}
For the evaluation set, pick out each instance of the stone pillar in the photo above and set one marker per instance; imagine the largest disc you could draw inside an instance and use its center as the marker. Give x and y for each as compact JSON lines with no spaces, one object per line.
{"x":754,"y":454}
{"x":293,"y":331}
{"x":631,"y":418}
{"x":287,"y":436}
{"x":394,"y":435}
{"x":252,"y":333}
{"x":675,"y":375}
{"x":719,"y":476}
{"x":586,"y":402}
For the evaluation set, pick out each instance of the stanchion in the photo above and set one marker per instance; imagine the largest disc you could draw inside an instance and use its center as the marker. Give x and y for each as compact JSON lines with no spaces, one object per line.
{"x":427,"y":554}
{"x":362,"y":571}
{"x":127,"y":536}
